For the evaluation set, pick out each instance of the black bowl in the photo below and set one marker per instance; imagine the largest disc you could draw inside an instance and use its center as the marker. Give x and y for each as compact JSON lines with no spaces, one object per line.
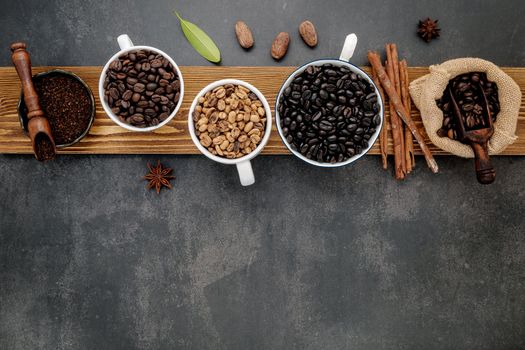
{"x":57,"y":72}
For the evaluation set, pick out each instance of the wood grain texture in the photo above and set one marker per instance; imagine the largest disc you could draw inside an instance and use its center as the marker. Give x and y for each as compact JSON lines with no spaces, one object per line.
{"x":105,"y":137}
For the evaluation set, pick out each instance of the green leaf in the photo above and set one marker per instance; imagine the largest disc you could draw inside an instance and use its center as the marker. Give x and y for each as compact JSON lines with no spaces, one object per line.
{"x":200,"y":41}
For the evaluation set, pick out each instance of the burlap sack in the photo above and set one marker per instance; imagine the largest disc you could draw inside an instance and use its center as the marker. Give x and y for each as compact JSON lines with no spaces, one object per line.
{"x":427,"y":89}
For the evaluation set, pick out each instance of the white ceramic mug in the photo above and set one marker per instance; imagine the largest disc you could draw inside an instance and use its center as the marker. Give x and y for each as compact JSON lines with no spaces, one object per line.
{"x":126,"y":45}
{"x":243,"y":164}
{"x":346,"y":53}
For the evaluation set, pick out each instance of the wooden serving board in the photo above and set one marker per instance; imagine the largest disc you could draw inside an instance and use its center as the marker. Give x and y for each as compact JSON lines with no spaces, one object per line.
{"x":105,"y":137}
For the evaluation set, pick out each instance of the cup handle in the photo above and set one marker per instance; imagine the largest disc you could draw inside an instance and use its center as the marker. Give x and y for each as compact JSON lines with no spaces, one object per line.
{"x":245,"y":173}
{"x":348,"y":48}
{"x":124,"y":42}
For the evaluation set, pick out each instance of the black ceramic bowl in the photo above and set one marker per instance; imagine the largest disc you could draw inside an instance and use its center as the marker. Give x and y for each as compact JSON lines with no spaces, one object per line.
{"x":22,"y":109}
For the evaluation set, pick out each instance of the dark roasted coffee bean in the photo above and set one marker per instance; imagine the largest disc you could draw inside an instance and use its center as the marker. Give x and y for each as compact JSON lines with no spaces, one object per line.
{"x":163,"y":116}
{"x":322,"y":110}
{"x":151,"y":86}
{"x":333,"y":147}
{"x":469,"y":97}
{"x":156,"y":63}
{"x":137,"y":118}
{"x":150,"y":112}
{"x":330,"y":88}
{"x":306,"y":94}
{"x":121,"y":87}
{"x":164,"y":100}
{"x":325,"y":125}
{"x":114,"y":93}
{"x":132,"y":87}
{"x":136,"y":97}
{"x":304,"y":148}
{"x":296,"y":95}
{"x":139,"y":87}
{"x":467,"y":107}
{"x":351,"y":127}
{"x":377,"y":120}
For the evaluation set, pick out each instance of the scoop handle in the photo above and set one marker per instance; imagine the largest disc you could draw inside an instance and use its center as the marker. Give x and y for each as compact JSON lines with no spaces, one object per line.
{"x":484,"y":170}
{"x":22,"y":63}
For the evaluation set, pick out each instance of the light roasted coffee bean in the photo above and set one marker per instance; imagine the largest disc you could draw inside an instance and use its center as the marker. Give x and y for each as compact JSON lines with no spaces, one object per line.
{"x":223,"y":124}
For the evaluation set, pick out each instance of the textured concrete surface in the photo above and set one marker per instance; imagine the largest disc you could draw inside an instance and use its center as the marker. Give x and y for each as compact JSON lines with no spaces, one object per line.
{"x":304,"y":259}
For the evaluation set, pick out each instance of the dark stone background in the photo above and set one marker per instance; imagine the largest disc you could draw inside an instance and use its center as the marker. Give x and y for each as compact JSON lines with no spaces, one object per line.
{"x":306,"y":258}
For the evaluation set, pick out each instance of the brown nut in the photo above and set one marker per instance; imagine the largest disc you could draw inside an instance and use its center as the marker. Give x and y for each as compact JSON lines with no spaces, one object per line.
{"x":308,"y":33}
{"x":280,"y":45}
{"x":244,"y":34}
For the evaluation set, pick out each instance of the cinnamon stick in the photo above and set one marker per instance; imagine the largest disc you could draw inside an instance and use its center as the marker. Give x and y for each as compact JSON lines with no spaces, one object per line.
{"x":395,"y":123}
{"x":394,"y":58}
{"x":375,"y":61}
{"x":405,"y":96}
{"x":383,"y":135}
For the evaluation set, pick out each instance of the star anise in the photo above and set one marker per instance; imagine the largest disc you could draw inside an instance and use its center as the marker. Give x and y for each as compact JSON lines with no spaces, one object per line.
{"x":428,"y":29}
{"x":158,"y":177}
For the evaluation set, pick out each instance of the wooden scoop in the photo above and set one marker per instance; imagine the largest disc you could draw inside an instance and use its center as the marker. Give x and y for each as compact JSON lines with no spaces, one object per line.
{"x":477,"y":139}
{"x":38,"y":126}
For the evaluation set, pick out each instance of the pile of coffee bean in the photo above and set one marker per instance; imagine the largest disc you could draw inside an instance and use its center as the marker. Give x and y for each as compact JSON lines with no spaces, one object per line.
{"x":142,"y":88}
{"x":230,"y":121}
{"x":44,"y":149}
{"x":329,"y":113}
{"x":468,"y":92}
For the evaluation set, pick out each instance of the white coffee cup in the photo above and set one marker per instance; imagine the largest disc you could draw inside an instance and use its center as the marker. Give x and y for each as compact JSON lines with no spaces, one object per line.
{"x":243,"y":164}
{"x":343,"y":61}
{"x":126,"y":45}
